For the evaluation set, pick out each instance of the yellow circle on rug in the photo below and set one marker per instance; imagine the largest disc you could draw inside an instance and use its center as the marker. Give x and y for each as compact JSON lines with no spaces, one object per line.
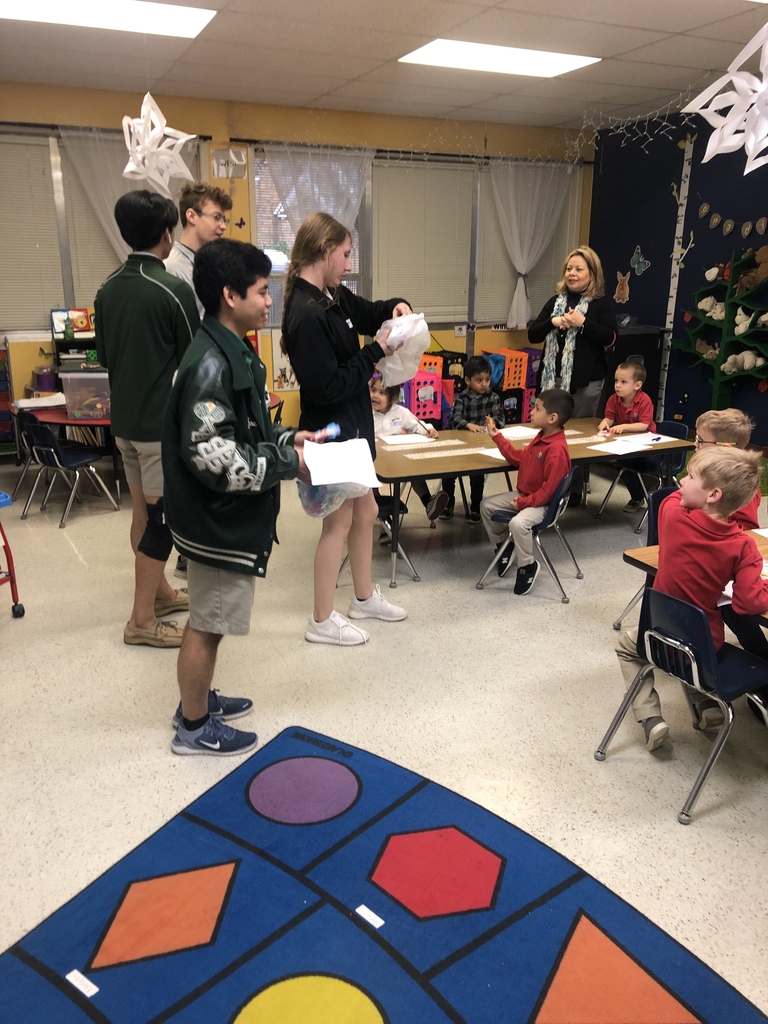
{"x":310,"y":999}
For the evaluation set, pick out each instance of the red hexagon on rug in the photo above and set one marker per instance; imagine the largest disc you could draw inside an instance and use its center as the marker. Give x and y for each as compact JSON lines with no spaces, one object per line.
{"x":438,"y":872}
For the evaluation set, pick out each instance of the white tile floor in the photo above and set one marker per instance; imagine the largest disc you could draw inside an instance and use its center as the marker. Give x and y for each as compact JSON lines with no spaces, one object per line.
{"x":502,"y":699}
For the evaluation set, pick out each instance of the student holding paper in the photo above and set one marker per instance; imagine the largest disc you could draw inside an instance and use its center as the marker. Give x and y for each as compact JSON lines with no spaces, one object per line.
{"x":322,"y":322}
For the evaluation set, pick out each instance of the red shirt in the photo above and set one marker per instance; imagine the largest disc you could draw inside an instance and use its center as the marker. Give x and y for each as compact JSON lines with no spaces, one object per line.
{"x":541,"y":467}
{"x":698,"y":556}
{"x":746,"y":517}
{"x":640,"y":410}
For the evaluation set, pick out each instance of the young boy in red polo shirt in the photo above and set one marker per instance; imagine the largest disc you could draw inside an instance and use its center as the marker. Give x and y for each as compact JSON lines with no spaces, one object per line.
{"x":630,"y":411}
{"x":541,"y":466}
{"x":700,"y":551}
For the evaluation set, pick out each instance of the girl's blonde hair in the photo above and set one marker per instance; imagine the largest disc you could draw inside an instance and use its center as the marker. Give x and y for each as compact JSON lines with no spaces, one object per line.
{"x":318,"y":234}
{"x":596,"y":287}
{"x":735,"y":471}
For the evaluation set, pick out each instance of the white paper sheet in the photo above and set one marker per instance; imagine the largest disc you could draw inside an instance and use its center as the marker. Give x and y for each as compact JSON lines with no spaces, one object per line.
{"x":727,"y":595}
{"x":47,"y":402}
{"x":762,"y":533}
{"x":341,"y":462}
{"x":620,"y":447}
{"x":406,"y":439}
{"x":519,"y":431}
{"x":492,"y":453}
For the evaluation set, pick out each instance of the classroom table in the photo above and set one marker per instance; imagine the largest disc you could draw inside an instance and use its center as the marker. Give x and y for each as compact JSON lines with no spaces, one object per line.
{"x":60,"y":418}
{"x":395,"y":464}
{"x":647,"y":558}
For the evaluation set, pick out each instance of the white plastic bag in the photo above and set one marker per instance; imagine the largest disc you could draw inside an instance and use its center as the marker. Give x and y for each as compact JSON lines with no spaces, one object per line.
{"x":319,"y":501}
{"x":411,"y":334}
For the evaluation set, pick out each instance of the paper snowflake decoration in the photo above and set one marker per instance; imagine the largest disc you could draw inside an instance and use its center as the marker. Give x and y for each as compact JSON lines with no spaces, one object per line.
{"x":154,"y":148}
{"x":746,"y":123}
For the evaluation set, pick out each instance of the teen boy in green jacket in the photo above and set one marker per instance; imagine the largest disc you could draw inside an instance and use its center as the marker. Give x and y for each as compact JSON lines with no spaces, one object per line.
{"x":223,"y":461}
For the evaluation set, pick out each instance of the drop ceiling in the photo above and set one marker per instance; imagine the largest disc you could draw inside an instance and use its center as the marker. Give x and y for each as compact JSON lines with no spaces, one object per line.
{"x":343,"y":55}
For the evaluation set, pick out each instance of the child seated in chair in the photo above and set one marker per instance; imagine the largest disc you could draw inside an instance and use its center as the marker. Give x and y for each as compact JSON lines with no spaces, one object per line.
{"x":471,"y":408}
{"x":630,"y":411}
{"x":541,"y":467}
{"x":700,"y":551}
{"x":390,"y":418}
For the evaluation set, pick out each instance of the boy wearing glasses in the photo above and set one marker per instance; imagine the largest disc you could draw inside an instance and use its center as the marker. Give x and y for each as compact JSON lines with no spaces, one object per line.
{"x":203,"y":218}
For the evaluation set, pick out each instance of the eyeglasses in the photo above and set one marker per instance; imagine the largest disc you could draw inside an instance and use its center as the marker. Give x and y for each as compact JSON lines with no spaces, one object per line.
{"x":721,"y":444}
{"x":218,"y":217}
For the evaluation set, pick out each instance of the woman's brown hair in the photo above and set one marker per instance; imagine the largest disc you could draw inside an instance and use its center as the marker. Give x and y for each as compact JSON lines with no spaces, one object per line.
{"x":596,"y":287}
{"x":318,"y":234}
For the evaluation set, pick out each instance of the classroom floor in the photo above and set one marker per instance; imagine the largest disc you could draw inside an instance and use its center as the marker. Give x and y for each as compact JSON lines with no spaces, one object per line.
{"x":500,"y":698}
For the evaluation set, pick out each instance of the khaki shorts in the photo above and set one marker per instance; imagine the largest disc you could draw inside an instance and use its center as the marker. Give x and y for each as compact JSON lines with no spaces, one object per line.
{"x":143,"y":465}
{"x":219,"y":601}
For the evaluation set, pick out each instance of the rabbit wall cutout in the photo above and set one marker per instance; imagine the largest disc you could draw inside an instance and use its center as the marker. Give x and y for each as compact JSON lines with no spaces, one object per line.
{"x":622,"y":288}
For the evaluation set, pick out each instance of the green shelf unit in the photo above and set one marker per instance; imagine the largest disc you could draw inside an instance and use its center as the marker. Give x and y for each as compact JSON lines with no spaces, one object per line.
{"x":704,"y":327}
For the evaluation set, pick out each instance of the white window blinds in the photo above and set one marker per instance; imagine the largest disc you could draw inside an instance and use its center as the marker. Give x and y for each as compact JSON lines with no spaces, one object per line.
{"x":496,"y":277}
{"x":422,"y":216}
{"x":93,"y":257}
{"x":29,"y":255}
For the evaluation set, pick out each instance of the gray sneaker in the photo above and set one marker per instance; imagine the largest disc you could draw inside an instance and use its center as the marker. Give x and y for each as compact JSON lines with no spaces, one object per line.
{"x":221,"y":707}
{"x":656,"y":731}
{"x":213,"y":738}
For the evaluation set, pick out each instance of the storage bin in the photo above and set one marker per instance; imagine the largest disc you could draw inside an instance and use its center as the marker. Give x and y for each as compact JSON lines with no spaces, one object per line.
{"x":86,"y":395}
{"x":534,"y":359}
{"x":431,"y":362}
{"x":44,"y":378}
{"x":425,"y":397}
{"x":529,"y":400}
{"x":447,"y":404}
{"x":453,"y":369}
{"x":515,"y":367}
{"x":512,"y":404}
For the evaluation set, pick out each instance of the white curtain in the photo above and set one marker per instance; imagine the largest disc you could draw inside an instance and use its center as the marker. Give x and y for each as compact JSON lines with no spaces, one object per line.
{"x":312,"y":178}
{"x":529,"y":199}
{"x":99,"y":158}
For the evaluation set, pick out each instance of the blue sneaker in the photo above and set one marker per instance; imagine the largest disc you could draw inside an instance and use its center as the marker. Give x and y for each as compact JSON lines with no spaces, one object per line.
{"x":223,"y":708}
{"x":213,"y":738}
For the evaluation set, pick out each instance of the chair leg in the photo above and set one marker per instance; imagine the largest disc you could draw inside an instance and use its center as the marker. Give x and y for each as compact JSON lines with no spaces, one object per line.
{"x":20,"y":481}
{"x":499,"y":554}
{"x":403,"y":555}
{"x":567,"y":546}
{"x":31,"y":496}
{"x":609,"y":492}
{"x":624,"y":707}
{"x":463,"y":495}
{"x":628,"y":609}
{"x":684,"y":817}
{"x":70,"y":500}
{"x":101,"y":486}
{"x":641,"y":524}
{"x":546,"y":560}
{"x":51,"y":482}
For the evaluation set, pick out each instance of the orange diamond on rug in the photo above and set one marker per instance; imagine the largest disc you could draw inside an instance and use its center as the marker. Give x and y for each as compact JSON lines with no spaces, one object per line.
{"x":166,"y":914}
{"x":597,"y":981}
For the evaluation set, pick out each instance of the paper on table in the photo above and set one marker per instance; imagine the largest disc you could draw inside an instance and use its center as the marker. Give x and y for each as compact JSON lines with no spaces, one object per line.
{"x":492,"y":453}
{"x":519,"y":431}
{"x":405,"y":439}
{"x":45,"y":402}
{"x":727,"y":595}
{"x":762,"y":533}
{"x":620,"y":447}
{"x":341,"y":462}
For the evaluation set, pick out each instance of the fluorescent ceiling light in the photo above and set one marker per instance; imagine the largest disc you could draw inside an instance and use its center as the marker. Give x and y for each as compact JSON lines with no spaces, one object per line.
{"x":122,"y":15}
{"x":505,"y":60}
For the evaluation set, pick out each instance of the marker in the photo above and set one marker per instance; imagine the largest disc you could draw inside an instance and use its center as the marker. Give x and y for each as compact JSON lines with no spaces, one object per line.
{"x":327,"y":433}
{"x":655,"y":438}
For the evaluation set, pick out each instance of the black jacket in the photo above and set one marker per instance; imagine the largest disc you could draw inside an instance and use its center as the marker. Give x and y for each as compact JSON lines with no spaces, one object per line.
{"x":597,"y":334}
{"x":321,"y":337}
{"x":222,"y":458}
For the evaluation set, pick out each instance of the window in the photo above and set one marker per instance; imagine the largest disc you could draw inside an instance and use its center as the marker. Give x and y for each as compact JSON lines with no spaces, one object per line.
{"x":422,"y":216}
{"x":93,"y":257}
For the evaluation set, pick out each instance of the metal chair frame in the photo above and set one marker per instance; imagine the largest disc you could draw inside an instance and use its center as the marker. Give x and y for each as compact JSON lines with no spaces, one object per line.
{"x":731,"y":674}
{"x":556,"y":508}
{"x":655,"y":499}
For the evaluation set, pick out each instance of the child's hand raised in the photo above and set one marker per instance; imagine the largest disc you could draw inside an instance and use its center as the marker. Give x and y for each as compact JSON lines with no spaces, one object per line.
{"x":490,"y":426}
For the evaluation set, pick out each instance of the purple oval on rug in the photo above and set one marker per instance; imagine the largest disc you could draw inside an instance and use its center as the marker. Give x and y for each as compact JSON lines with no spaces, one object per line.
{"x":303,"y":790}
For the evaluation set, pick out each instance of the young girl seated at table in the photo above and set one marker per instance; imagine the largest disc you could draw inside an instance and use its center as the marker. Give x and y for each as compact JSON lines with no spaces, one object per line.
{"x":391,"y":418}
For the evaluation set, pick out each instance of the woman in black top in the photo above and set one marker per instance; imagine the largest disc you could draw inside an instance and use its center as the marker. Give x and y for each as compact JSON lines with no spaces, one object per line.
{"x":322,"y":321}
{"x":577,"y":325}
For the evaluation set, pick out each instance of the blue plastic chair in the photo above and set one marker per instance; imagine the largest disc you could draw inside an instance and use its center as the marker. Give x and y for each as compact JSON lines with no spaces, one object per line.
{"x":655,"y":499}
{"x":72,"y":460}
{"x":672,"y":428}
{"x":675,"y":638}
{"x":556,"y":508}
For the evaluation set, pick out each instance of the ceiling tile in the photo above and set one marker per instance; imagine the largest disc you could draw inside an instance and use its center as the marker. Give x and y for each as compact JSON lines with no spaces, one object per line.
{"x":361,"y":90}
{"x":501,"y":117}
{"x":687,"y":52}
{"x":59,"y":62}
{"x":417,"y":75}
{"x":590,"y":92}
{"x":282,"y":62}
{"x":80,"y":78}
{"x":241,"y":94}
{"x":382,"y":107}
{"x":538,"y":105}
{"x":212,"y":77}
{"x":431,"y":17}
{"x":563,"y":35}
{"x":83,"y":41}
{"x":738,"y":29}
{"x":633,"y":72}
{"x":667,"y":15}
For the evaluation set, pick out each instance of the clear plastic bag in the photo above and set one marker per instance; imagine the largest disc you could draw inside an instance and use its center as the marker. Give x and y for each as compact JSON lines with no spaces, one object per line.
{"x":319,"y":501}
{"x":411,"y":334}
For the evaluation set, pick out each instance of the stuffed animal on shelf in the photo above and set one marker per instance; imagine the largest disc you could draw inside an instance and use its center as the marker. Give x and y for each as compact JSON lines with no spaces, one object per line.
{"x":752,"y":278}
{"x":763,"y":320}
{"x":747,"y":360}
{"x":707,"y":304}
{"x":743,"y":321}
{"x":708,"y":352}
{"x":716,"y":273}
{"x":718,"y":312}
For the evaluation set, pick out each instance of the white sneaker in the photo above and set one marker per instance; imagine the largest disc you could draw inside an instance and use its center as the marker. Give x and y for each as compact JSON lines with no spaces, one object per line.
{"x":376,"y":607}
{"x":335,"y":630}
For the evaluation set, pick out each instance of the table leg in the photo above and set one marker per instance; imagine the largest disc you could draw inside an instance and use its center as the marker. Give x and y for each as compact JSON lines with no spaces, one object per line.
{"x":395,"y":531}
{"x":115,"y":465}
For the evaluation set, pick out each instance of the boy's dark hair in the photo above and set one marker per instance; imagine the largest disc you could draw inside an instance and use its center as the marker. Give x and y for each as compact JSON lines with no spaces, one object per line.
{"x":560,"y":402}
{"x":225,"y":263}
{"x":195,"y":195}
{"x":143,"y":217}
{"x":637,"y":370}
{"x":475,"y":365}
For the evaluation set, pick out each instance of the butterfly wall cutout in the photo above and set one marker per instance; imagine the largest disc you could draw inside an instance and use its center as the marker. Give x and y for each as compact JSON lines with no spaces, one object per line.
{"x":638,"y":262}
